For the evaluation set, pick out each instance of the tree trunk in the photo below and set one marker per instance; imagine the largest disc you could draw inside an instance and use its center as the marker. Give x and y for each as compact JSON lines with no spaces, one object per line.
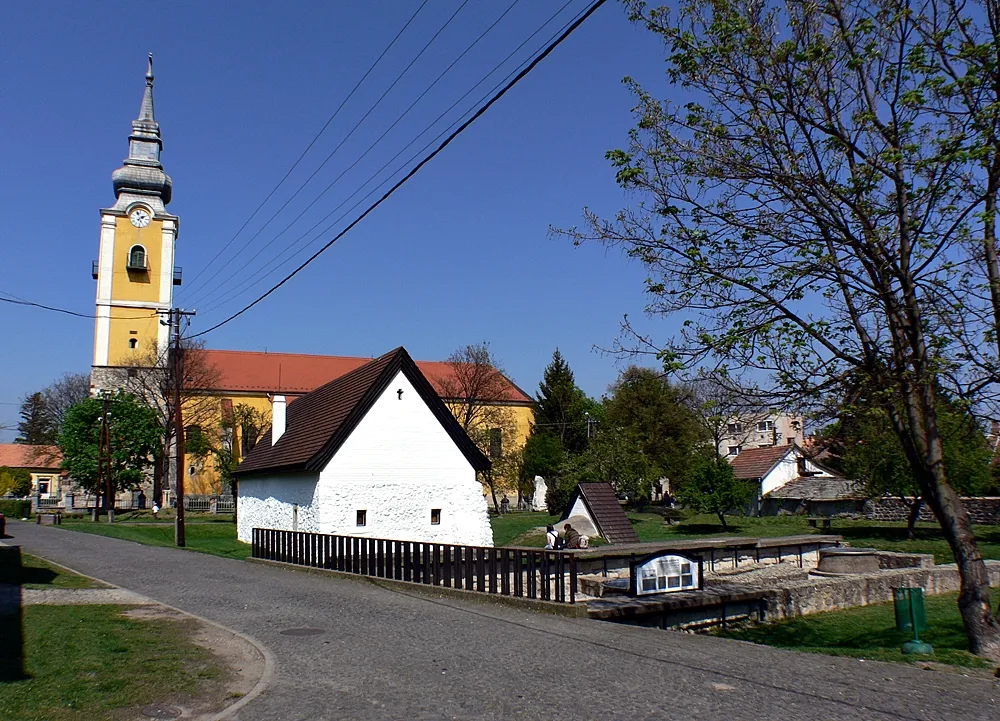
{"x":488,"y":479}
{"x":722,"y":520}
{"x":913,"y":517}
{"x":157,"y":481}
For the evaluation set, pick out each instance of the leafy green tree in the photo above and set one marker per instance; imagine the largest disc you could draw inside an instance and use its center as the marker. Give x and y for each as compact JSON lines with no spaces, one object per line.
{"x":15,"y":481}
{"x":647,"y":410}
{"x":865,"y":448}
{"x":37,"y":427}
{"x":713,"y":488}
{"x":821,"y":200}
{"x":543,"y":456}
{"x":561,"y":406}
{"x":134,"y":435}
{"x":615,"y":456}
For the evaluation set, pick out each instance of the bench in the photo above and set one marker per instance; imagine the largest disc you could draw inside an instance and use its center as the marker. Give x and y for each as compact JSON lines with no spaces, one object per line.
{"x":48,"y":519}
{"x":819,"y":521}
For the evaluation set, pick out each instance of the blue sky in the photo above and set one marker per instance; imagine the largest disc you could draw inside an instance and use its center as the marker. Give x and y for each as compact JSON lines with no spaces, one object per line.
{"x":460,"y":254}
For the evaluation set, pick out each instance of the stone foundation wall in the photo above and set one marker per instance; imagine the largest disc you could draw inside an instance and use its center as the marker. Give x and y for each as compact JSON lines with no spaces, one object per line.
{"x":983,"y":510}
{"x":807,"y":597}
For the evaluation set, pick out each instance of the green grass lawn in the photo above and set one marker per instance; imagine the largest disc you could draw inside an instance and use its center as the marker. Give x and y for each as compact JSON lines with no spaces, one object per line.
{"x":216,"y":538}
{"x":519,"y":529}
{"x":86,"y":662}
{"x":870,"y":632}
{"x":39,"y":573}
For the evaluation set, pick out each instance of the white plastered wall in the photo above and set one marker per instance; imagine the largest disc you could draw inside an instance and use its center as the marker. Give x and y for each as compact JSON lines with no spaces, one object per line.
{"x":270,"y":502}
{"x":398,"y":465}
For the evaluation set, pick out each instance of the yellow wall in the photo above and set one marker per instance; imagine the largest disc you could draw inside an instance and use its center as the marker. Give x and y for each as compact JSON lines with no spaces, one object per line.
{"x":132,"y":285}
{"x":145,"y":323}
{"x":135,"y":286}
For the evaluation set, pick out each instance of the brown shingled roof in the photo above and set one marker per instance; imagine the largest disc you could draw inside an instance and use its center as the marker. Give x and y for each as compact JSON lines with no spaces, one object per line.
{"x":755,"y":463}
{"x":319,"y":422}
{"x":606,"y":512}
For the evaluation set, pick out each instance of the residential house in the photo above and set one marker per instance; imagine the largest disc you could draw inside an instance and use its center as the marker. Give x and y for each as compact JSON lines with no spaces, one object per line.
{"x":373,"y":453}
{"x":791,"y":481}
{"x":44,"y":463}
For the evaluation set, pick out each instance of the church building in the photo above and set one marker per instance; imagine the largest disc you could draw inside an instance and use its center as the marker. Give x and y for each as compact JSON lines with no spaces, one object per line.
{"x":136,"y":274}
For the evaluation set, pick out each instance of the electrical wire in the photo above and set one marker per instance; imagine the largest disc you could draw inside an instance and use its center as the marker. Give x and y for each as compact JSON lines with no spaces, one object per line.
{"x":354,"y":129}
{"x":220,"y":287}
{"x":21,"y":301}
{"x":309,"y":146}
{"x":268,"y":268}
{"x":447,"y":141}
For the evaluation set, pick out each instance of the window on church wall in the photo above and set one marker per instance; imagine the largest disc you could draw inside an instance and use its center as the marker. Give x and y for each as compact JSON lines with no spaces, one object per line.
{"x":133,"y":343}
{"x":137,"y":258}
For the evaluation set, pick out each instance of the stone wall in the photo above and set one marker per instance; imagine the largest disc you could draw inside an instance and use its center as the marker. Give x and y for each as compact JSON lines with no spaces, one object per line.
{"x":985,"y":511}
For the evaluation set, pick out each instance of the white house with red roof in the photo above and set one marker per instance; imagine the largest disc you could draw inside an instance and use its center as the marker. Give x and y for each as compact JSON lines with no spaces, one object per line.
{"x":792,"y":481}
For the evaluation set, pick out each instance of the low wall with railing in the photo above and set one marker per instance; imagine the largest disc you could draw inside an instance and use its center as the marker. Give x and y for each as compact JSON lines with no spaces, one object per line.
{"x":516,"y":572}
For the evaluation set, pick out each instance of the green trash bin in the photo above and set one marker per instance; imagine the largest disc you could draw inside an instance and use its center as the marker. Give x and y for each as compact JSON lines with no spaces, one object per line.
{"x":911,"y":617}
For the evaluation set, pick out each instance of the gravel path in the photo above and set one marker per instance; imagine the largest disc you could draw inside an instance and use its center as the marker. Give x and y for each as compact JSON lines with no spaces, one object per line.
{"x":82,"y":597}
{"x":386,"y":654}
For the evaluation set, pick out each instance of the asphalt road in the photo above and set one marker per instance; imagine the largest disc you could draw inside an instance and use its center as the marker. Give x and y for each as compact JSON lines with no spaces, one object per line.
{"x":393,"y":655}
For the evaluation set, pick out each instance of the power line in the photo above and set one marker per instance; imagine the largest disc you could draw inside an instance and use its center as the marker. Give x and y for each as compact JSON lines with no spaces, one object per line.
{"x":235,"y":273}
{"x":355,"y":128}
{"x":447,"y":141}
{"x":67,"y":312}
{"x":269,"y":267}
{"x":309,"y":146}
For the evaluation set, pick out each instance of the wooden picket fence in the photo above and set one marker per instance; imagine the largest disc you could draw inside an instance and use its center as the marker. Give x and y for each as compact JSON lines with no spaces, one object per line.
{"x":518,"y":572}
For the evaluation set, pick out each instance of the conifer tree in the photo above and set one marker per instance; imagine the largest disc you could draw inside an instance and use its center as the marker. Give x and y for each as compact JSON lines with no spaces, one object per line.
{"x":561,"y":406}
{"x":36,"y":426}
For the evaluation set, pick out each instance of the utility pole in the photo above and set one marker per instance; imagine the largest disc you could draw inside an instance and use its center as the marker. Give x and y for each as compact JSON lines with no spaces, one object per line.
{"x":176,"y":315}
{"x":104,"y":459}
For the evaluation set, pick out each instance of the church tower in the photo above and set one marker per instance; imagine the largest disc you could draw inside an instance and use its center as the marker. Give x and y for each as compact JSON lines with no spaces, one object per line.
{"x":135,"y":270}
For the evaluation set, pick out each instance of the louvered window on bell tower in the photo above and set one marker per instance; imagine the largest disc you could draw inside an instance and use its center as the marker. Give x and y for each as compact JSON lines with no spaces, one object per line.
{"x":137,"y":258}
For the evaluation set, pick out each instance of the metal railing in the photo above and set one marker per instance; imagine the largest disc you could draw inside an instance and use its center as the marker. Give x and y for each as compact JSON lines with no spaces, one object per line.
{"x":517,"y":572}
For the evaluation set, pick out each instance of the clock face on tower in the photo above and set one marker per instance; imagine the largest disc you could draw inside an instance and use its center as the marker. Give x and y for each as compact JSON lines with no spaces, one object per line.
{"x":140,"y":218}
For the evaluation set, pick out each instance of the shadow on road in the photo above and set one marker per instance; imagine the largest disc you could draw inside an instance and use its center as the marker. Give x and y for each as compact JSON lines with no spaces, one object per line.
{"x":11,"y":621}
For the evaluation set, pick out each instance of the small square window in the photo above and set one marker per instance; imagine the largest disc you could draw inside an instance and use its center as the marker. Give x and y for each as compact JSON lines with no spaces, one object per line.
{"x":362,"y":518}
{"x":435,"y":516}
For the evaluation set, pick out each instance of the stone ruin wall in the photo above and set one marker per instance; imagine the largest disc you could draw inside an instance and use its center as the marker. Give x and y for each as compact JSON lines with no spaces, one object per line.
{"x":984,"y":511}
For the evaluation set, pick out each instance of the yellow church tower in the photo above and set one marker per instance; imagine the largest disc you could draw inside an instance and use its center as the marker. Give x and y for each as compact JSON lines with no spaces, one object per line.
{"x":135,"y":270}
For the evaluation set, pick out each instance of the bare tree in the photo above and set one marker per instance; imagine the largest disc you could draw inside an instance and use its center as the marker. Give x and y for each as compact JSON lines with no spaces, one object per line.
{"x":822,"y":207}
{"x":64,"y":393}
{"x":149,"y":375}
{"x":478,"y":394}
{"x":725,"y":411}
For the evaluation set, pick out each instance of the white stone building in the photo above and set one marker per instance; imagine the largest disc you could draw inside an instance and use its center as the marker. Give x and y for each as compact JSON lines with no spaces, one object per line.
{"x":374,"y":453}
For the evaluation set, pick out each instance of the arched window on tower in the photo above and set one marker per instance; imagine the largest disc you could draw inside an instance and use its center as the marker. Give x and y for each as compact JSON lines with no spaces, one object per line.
{"x":133,"y":343}
{"x":137,"y":258}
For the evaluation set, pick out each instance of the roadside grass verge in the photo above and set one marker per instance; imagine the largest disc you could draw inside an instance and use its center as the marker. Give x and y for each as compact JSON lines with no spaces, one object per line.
{"x":218,"y":539}
{"x":869,"y":632}
{"x":87,"y":662}
{"x":37,"y":573}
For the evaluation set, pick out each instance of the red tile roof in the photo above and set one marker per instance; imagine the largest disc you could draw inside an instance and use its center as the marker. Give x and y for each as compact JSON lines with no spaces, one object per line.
{"x":754,"y":463}
{"x":21,"y":455}
{"x":606,"y":512}
{"x":296,"y":373}
{"x":319,"y":422}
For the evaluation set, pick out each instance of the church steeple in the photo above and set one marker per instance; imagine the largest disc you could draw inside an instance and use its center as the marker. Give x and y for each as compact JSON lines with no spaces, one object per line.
{"x":141,"y":175}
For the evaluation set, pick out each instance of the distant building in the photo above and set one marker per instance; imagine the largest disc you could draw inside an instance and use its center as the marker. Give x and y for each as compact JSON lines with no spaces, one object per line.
{"x":374,"y":453}
{"x":763,"y":431}
{"x":42,"y":462}
{"x":788,"y":480}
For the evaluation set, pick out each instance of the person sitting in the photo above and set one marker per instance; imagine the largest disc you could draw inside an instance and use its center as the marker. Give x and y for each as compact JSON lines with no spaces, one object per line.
{"x":571,"y":536}
{"x":551,"y":538}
